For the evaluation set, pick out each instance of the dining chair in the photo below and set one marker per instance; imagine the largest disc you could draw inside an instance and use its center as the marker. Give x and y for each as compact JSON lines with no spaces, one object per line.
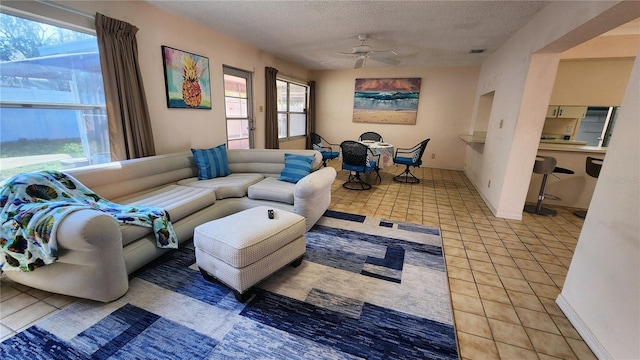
{"x":357,"y":158}
{"x":370,"y":135}
{"x":409,"y":157}
{"x":322,"y":145}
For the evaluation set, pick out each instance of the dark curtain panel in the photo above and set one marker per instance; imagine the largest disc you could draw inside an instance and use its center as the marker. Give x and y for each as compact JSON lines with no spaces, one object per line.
{"x":271,"y":109}
{"x":129,"y":122}
{"x":311,"y":113}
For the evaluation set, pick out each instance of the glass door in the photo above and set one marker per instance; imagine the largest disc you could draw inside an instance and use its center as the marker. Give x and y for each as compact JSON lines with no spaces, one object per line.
{"x":238,"y":108}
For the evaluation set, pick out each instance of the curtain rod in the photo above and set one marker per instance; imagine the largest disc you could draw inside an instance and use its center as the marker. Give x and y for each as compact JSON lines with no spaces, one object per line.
{"x":66,"y":8}
{"x":294,"y":78}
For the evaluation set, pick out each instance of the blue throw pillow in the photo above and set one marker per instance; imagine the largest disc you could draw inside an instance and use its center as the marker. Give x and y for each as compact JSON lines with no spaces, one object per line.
{"x":295,"y":167}
{"x":212,"y":163}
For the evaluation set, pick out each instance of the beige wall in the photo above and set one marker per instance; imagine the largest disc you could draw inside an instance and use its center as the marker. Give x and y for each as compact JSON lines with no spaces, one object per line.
{"x":619,"y":46}
{"x":591,"y":82}
{"x":444,"y":110}
{"x":181,"y":129}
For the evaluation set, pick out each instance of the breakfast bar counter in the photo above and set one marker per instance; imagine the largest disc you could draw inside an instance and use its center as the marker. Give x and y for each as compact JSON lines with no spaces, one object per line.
{"x":567,"y":147}
{"x":574,"y":190}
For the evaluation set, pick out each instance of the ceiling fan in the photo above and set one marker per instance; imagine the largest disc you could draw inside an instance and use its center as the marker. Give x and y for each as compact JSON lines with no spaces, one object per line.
{"x":363,"y":52}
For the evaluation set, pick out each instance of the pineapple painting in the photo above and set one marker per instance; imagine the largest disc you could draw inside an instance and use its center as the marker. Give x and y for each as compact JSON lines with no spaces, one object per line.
{"x":186,"y":79}
{"x":191,"y":91}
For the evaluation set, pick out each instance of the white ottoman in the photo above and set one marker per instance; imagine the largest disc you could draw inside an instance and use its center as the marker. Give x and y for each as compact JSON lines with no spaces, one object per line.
{"x":241,"y":249}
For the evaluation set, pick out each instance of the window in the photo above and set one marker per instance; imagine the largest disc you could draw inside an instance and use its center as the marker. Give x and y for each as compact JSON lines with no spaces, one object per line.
{"x":52,"y":106}
{"x":597,"y":126}
{"x":292,"y":109}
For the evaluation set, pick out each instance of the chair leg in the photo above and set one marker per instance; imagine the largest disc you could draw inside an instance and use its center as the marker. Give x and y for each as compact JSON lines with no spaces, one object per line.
{"x":538,"y":209}
{"x":580,"y":213}
{"x":355,"y":182}
{"x":406,"y":177}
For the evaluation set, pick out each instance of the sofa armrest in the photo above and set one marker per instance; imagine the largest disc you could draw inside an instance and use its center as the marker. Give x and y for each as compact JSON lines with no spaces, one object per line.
{"x":312,"y":194}
{"x":90,"y":262}
{"x":86,"y":230}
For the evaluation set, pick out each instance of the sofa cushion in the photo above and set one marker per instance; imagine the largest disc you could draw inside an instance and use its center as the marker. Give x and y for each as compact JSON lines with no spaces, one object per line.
{"x":234,"y":185}
{"x":272,"y":189}
{"x":212,"y":163}
{"x":295,"y":167}
{"x":268,"y":162}
{"x":178,"y":201}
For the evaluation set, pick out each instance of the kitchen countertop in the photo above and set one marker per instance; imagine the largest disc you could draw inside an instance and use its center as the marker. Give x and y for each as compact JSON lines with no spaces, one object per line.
{"x":563,"y":142}
{"x":572,"y":148}
{"x":472,"y":139}
{"x":547,"y":144}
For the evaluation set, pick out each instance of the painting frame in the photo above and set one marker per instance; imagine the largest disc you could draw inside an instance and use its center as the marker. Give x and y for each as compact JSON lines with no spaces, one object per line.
{"x":386,"y":100}
{"x":187,"y":79}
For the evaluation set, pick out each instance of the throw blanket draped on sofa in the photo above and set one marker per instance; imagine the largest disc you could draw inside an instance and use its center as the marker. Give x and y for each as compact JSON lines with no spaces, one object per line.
{"x":33,"y":204}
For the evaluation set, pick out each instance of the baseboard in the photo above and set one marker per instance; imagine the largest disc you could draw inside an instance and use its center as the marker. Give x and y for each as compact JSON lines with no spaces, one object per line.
{"x":509,"y":216}
{"x":494,"y":211}
{"x":589,"y":338}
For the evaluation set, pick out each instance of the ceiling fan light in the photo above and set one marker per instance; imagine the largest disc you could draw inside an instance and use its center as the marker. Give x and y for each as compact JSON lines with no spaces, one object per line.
{"x":361,"y":49}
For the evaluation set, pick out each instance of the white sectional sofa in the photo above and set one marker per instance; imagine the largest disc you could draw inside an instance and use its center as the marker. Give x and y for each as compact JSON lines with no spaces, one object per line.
{"x":96,"y":254}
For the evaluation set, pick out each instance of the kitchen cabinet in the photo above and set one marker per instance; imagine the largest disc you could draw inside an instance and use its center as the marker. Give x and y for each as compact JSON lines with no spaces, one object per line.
{"x":566,"y":112}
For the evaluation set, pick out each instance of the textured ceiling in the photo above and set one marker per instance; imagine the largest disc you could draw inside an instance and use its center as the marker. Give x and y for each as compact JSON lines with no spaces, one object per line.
{"x":422,"y":33}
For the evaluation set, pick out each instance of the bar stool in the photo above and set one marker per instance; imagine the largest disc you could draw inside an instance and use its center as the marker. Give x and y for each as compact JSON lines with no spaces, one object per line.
{"x":545,"y":165}
{"x":593,"y":167}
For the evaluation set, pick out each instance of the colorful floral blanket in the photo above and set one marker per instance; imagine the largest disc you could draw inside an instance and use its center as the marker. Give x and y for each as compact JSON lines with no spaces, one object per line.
{"x":32,"y":205}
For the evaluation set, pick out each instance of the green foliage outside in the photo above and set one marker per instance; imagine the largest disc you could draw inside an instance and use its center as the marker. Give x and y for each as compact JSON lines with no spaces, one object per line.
{"x":71,"y":147}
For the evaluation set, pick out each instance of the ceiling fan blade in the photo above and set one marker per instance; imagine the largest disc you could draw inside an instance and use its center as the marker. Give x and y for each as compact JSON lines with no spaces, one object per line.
{"x":345,"y":53}
{"x":383,"y":53}
{"x":385,"y":60}
{"x":359,"y":63}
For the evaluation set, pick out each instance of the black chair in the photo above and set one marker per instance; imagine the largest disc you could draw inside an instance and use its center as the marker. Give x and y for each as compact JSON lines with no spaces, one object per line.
{"x":322,"y":145}
{"x":409,"y":157}
{"x":545,"y":165}
{"x":357,"y":158}
{"x":593,"y":167}
{"x":370,"y":135}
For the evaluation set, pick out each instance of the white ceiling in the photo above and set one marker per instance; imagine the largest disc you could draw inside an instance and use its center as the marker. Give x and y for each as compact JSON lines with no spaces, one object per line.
{"x":422,"y":33}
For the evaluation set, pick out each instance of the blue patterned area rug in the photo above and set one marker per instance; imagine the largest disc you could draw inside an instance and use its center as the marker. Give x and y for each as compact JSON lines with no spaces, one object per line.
{"x":367,"y":289}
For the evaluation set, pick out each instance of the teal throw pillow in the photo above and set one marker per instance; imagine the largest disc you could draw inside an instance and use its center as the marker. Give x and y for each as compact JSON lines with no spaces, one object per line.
{"x":295,"y":167}
{"x":212,"y":163}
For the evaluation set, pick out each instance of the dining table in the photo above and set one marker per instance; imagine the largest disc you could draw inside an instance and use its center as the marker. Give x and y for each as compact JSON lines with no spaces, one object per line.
{"x":385,"y":150}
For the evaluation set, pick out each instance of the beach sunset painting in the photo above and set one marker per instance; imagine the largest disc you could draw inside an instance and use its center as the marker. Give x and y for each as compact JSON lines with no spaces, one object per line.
{"x":386,"y":101}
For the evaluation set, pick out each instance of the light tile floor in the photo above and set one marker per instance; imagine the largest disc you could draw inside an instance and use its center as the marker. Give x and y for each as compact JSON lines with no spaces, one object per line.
{"x":504,"y":275}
